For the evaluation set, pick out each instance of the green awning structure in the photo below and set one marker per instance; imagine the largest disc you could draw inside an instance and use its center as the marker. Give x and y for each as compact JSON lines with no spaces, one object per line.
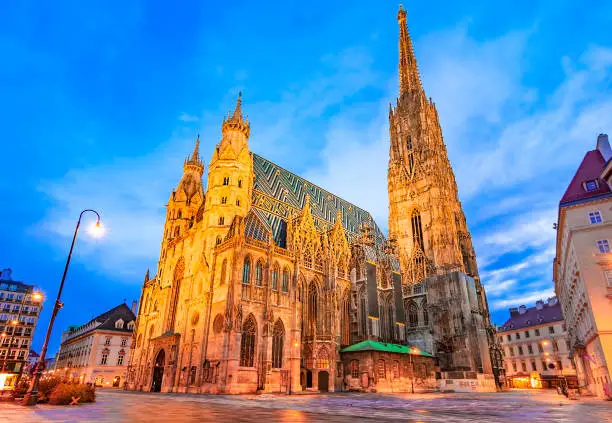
{"x":369,"y":345}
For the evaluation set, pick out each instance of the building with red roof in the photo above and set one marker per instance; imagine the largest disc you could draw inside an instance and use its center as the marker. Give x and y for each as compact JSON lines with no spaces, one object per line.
{"x":582,"y":268}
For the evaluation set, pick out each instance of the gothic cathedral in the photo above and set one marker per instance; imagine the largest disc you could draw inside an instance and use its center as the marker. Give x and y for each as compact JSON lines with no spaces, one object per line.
{"x":269,"y":283}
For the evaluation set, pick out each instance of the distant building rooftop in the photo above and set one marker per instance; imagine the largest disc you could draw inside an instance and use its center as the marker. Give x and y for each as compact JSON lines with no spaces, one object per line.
{"x":543,"y":313}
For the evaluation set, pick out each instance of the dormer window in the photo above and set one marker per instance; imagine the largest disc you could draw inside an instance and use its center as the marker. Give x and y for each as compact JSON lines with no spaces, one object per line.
{"x":130,"y":325}
{"x":595,"y":217}
{"x":119,"y":324}
{"x":590,"y":185}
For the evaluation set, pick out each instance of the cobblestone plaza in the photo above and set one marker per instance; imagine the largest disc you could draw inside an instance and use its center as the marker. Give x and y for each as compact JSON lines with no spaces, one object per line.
{"x":514,"y":406}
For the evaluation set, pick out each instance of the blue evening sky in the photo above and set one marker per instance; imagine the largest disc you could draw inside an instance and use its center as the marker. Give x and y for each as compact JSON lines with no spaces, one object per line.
{"x":101,"y":101}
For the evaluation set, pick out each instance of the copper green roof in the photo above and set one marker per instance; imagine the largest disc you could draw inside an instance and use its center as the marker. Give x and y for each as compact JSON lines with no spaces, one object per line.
{"x":369,"y":345}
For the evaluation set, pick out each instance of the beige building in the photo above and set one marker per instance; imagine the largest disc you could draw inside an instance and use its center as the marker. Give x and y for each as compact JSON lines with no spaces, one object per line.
{"x":583,"y":268}
{"x":97,"y":352}
{"x":20,"y":306}
{"x":535,"y":346}
{"x":264,"y":278}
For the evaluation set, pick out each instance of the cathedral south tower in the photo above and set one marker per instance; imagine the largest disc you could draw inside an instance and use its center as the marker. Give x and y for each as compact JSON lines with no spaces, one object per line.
{"x":426,"y":220}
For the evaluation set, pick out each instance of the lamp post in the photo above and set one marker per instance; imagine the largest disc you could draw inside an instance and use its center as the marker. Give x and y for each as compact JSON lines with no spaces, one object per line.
{"x":31,"y":398}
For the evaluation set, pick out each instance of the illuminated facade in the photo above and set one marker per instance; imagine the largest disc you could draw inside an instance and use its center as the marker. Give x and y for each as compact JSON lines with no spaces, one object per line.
{"x":97,"y":352}
{"x":20,"y":307}
{"x":536,"y":348}
{"x":583,"y":267}
{"x":263,"y":277}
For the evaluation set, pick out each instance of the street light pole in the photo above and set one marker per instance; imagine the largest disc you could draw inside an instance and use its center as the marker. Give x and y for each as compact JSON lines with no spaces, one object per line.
{"x":31,"y":398}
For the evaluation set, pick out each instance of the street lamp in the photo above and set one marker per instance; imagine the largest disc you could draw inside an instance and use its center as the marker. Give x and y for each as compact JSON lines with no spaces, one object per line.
{"x":31,"y":398}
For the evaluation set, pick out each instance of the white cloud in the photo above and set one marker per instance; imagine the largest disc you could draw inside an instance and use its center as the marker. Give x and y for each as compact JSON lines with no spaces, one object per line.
{"x":521,"y":299}
{"x":186,"y":117}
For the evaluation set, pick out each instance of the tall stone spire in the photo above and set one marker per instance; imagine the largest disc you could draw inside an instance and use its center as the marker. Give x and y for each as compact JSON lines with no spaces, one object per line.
{"x":409,"y":78}
{"x":194,"y":159}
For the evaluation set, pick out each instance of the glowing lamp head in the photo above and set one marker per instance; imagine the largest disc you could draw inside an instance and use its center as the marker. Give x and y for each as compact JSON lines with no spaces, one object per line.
{"x":414,"y":350}
{"x":14,"y":322}
{"x":37,"y":296}
{"x":96,"y":230}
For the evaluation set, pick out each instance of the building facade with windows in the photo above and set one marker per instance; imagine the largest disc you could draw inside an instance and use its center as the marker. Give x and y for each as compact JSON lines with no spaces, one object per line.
{"x":582,"y":269}
{"x":535,"y":346}
{"x":264,"y":278}
{"x":20,"y":306}
{"x":97,"y":352}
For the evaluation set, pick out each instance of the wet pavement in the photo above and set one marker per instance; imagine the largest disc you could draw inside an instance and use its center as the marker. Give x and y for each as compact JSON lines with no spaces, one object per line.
{"x":514,"y":406}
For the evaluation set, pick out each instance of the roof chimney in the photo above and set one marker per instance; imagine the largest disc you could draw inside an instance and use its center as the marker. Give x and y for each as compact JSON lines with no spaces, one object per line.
{"x":522,"y":309}
{"x":539,"y":304}
{"x":514,"y":312}
{"x":552,"y":301}
{"x":6,"y":274}
{"x":603,"y":145}
{"x":134,"y":307}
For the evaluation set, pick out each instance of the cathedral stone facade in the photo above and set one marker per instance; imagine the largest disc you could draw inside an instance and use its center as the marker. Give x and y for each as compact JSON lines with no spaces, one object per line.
{"x":265,"y":278}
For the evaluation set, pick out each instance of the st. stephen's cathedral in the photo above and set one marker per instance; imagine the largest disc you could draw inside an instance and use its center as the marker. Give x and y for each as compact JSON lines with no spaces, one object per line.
{"x":269,"y":283}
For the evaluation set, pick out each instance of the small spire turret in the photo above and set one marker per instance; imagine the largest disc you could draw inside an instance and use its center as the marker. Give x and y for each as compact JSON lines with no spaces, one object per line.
{"x":237,"y":122}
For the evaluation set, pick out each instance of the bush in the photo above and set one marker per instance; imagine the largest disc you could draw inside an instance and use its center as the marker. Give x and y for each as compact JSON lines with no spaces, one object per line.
{"x":21,"y":389}
{"x":62,"y":394}
{"x":45,"y":386}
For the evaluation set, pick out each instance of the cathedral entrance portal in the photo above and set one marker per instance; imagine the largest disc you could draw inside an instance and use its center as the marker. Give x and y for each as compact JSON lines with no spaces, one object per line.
{"x":309,"y":378}
{"x":323,"y":381}
{"x":158,"y":371}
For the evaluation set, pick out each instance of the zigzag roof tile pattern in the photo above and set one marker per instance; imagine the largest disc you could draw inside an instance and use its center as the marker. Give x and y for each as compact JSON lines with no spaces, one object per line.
{"x":283,"y":192}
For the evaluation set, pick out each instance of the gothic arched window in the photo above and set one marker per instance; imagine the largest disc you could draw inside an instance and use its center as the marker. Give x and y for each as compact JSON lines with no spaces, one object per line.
{"x":246,"y":271}
{"x":258,"y":273}
{"x":417,"y":229}
{"x":221,"y":220}
{"x":223,"y":272}
{"x":425,"y":315}
{"x":247,"y":343}
{"x":278,"y":341}
{"x":410,"y":155}
{"x":313,"y":307}
{"x":218,"y":241}
{"x":285,"y":280}
{"x":323,"y":359}
{"x":413,"y":315}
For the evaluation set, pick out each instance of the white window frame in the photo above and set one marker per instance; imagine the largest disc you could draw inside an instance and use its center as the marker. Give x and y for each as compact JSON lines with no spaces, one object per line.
{"x":603,"y":246}
{"x":595,"y":217}
{"x":586,"y":185}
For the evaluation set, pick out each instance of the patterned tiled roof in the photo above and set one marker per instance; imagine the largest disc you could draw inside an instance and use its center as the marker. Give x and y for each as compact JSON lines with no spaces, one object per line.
{"x":589,"y":170}
{"x":285,"y":192}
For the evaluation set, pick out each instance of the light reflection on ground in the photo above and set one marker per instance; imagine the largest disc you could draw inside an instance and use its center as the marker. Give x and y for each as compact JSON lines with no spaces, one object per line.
{"x":514,"y":406}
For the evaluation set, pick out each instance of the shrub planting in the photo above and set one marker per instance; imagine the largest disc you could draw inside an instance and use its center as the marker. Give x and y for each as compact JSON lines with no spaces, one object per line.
{"x":64,"y":393}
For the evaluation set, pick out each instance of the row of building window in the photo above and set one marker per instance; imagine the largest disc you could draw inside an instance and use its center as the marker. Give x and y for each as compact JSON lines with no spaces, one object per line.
{"x":226,"y":181}
{"x":20,"y":355}
{"x":551,"y":331}
{"x":23,"y":319}
{"x":108,"y":339}
{"x":546,"y":366}
{"x":555,"y":348}
{"x":104,"y":359}
{"x":249,"y":341}
{"x":246,"y":275}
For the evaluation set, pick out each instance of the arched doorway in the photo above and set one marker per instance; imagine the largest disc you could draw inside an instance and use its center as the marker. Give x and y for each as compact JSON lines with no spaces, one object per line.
{"x":116,"y":381}
{"x":158,"y":371}
{"x":308,"y":378}
{"x":323,"y":381}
